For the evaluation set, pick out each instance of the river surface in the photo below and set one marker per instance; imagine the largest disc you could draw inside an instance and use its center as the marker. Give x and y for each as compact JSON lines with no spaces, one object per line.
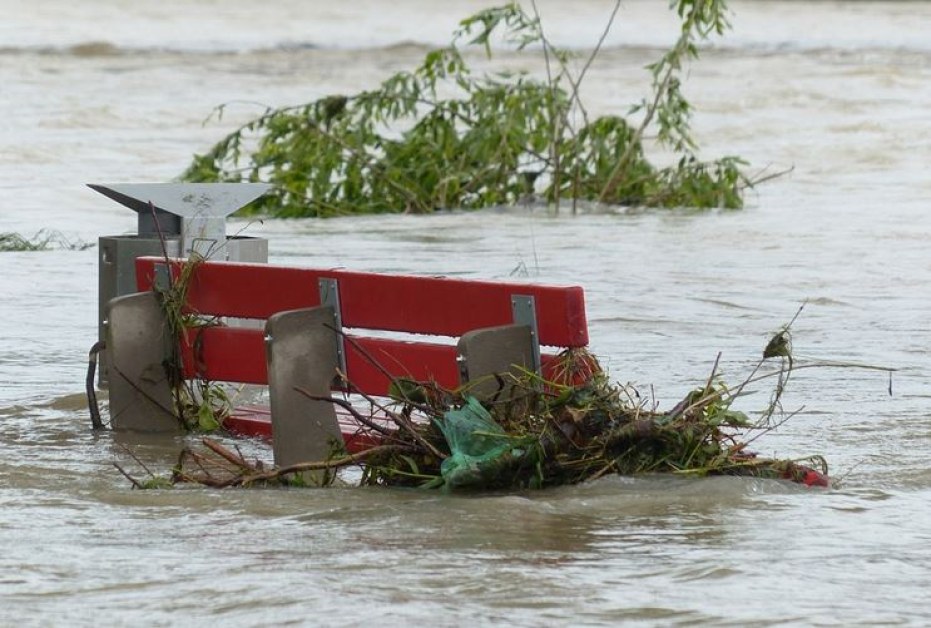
{"x":116,"y":91}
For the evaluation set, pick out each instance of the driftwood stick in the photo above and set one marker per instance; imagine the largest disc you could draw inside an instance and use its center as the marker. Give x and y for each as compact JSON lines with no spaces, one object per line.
{"x":203,"y":474}
{"x":135,"y":482}
{"x":228,"y":455}
{"x":249,"y":474}
{"x":299,"y":467}
{"x":132,"y":455}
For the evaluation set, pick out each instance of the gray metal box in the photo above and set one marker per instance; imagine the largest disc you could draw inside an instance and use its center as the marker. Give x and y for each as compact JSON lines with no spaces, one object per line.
{"x":188,"y":217}
{"x":117,"y":277}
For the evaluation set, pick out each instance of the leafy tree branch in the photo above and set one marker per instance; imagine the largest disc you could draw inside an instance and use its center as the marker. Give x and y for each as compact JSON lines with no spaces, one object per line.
{"x":439,"y":136}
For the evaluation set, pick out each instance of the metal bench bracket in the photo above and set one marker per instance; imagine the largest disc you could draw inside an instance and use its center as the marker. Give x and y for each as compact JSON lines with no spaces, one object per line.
{"x":329,"y":296}
{"x":524,"y":312}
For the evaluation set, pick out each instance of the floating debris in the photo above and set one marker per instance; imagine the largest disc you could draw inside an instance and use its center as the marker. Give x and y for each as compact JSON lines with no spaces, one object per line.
{"x":531,"y":433}
{"x":44,"y":240}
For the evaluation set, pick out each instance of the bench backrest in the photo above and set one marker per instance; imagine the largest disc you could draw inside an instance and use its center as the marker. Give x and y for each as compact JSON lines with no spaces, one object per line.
{"x":435,"y":306}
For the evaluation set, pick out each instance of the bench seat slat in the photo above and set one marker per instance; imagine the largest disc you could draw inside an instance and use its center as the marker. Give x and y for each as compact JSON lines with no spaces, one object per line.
{"x":401,"y":303}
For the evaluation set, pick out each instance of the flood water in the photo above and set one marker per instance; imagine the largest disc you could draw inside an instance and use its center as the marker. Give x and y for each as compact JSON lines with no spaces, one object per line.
{"x":116,"y":91}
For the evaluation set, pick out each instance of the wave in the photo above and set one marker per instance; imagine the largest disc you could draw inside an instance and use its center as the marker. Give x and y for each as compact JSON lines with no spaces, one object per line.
{"x":916,"y":50}
{"x":191,"y":26}
{"x":188,"y":27}
{"x":94,"y":48}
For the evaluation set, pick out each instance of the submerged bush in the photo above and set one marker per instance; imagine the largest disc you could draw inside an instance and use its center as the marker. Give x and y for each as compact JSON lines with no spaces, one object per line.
{"x":441,"y":137}
{"x":44,"y":240}
{"x":11,"y":241}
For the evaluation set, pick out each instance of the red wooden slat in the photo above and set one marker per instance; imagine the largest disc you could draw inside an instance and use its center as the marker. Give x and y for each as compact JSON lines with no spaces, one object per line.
{"x":232,"y":354}
{"x":250,"y":422}
{"x":451,"y":307}
{"x":225,"y":354}
{"x":420,"y":361}
{"x":240,"y":290}
{"x":423,"y":305}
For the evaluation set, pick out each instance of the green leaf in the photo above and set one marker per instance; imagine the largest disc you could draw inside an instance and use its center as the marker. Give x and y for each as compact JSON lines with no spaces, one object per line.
{"x":206,"y":421}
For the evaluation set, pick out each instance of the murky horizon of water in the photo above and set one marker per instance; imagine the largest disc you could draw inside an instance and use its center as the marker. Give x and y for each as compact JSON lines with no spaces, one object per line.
{"x":116,"y":91}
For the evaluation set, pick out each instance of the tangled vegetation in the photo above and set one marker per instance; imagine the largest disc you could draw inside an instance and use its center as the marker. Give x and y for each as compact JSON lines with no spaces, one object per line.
{"x":199,"y":404}
{"x":442,"y":137}
{"x":532,"y":434}
{"x":42,"y":241}
{"x":16,"y":242}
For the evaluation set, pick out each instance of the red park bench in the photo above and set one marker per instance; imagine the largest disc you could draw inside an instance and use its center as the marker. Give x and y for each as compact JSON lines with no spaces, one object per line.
{"x":315,"y":322}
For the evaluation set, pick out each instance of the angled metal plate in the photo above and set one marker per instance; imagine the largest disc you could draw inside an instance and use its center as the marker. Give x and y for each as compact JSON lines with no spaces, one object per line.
{"x":329,"y":296}
{"x":117,"y":277}
{"x":184,"y":199}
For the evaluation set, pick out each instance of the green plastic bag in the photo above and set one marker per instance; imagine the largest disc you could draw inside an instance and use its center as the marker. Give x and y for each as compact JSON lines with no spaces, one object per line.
{"x":480,"y":450}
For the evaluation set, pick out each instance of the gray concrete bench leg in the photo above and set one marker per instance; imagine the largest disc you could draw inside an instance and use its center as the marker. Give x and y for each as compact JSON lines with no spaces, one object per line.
{"x":301,"y":353}
{"x":137,"y":347}
{"x":483,"y":353}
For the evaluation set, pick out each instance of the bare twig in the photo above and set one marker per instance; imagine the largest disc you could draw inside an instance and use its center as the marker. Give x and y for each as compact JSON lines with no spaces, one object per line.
{"x":126,"y":475}
{"x":576,"y":83}
{"x":346,"y":405}
{"x":227,"y":455}
{"x":381,"y":369}
{"x":136,"y":459}
{"x":245,"y":479}
{"x":400,"y":420}
{"x":556,"y":130}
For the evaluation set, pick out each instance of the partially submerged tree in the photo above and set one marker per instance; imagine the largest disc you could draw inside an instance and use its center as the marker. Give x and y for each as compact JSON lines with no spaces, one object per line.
{"x":442,"y":137}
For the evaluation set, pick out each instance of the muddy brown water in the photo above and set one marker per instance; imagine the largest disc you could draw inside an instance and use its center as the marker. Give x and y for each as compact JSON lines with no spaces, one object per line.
{"x":114,"y":91}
